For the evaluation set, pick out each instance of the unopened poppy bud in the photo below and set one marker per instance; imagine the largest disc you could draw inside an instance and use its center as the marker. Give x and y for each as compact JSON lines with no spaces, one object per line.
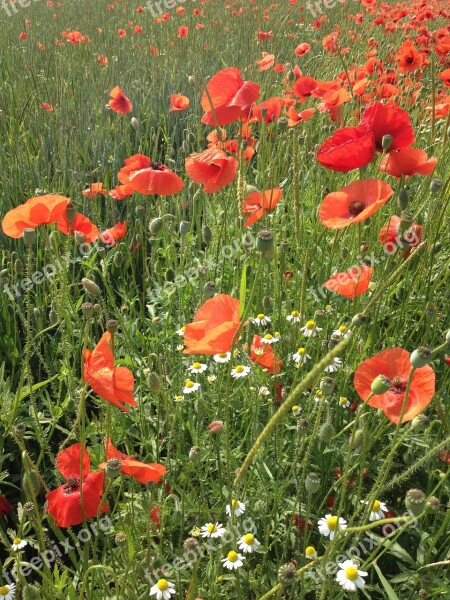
{"x":31,"y":484}
{"x":206,"y":234}
{"x":184,"y":228}
{"x":312,"y":483}
{"x":97,"y":308}
{"x":435,"y":248}
{"x":282,"y":123}
{"x":327,"y":385}
{"x":420,"y":357}
{"x":53,"y":317}
{"x":101,"y":251}
{"x":264,"y":241}
{"x":291,"y":76}
{"x":154,"y":382}
{"x":216,"y":426}
{"x":195,"y":453}
{"x":170,"y":274}
{"x":415,"y":501}
{"x":156,"y":320}
{"x":436,"y":185}
{"x":4,"y":275}
{"x":420,"y":423}
{"x":155,"y":226}
{"x":209,"y":289}
{"x":119,"y":258}
{"x":358,"y":439}
{"x":359,"y":320}
{"x":191,"y":137}
{"x":29,"y":237}
{"x":381,"y":384}
{"x":386,"y":142}
{"x":403,"y":199}
{"x":80,"y":238}
{"x":140,"y":212}
{"x":134,"y":123}
{"x":326,"y":432}
{"x":112,"y":326}
{"x":113,"y":467}
{"x":91,"y":287}
{"x":87,"y":309}
{"x":286,"y":574}
{"x":18,"y":267}
{"x":191,"y":80}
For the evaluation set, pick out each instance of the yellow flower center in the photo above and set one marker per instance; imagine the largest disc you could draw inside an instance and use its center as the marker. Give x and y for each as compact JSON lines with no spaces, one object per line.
{"x":234,"y":503}
{"x":310,"y":324}
{"x":196,"y":366}
{"x":268,"y":336}
{"x":327,"y":307}
{"x":4,"y":590}
{"x":249,"y":539}
{"x":277,"y":334}
{"x":211,"y":528}
{"x":183,"y":329}
{"x":179,"y":398}
{"x":232,"y":556}
{"x":310,"y":551}
{"x":162,"y":585}
{"x":342,"y":328}
{"x":240,"y":369}
{"x":332,"y":523}
{"x":189,"y":383}
{"x":351,"y":573}
{"x":319,"y":394}
{"x":301,"y":351}
{"x":223,"y":355}
{"x":295,"y":408}
{"x":260,"y":316}
{"x":343,"y":400}
{"x":376,"y":506}
{"x":294,"y":313}
{"x":16,"y":541}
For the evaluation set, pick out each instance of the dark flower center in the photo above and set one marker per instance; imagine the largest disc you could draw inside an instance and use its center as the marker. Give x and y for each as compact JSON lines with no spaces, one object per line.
{"x":157,"y":166}
{"x":409,"y":60}
{"x":71,"y":485}
{"x":398,"y":385}
{"x":356,"y":207}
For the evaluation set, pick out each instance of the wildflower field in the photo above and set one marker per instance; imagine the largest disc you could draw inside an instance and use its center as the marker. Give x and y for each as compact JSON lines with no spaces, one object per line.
{"x":224,"y":286}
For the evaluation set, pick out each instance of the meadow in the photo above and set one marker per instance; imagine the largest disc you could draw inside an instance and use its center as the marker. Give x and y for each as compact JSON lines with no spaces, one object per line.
{"x":224,"y":287}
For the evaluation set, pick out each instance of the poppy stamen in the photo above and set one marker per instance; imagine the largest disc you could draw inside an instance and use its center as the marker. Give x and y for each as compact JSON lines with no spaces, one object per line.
{"x":398,"y":385}
{"x":157,"y":166}
{"x":356,"y":207}
{"x":71,"y":485}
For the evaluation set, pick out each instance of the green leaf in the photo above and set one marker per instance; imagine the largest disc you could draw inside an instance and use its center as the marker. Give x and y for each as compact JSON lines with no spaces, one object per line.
{"x":388,"y":589}
{"x":36,"y":386}
{"x":243,"y":290}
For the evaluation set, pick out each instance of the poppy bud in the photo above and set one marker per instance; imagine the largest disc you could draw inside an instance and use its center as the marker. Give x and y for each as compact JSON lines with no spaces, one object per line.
{"x":134,"y":123}
{"x":326,"y":432}
{"x":216,"y":426}
{"x":80,"y":238}
{"x":155,"y":226}
{"x":291,"y":76}
{"x":436,"y":186}
{"x":97,"y":308}
{"x":91,"y":288}
{"x":184,"y":228}
{"x":191,"y":137}
{"x":113,"y":468}
{"x":191,"y":80}
{"x":156,"y":320}
{"x":415,"y":501}
{"x":87,"y":309}
{"x":31,"y":479}
{"x":420,"y":423}
{"x":140,"y":211}
{"x":154,"y":382}
{"x":282,"y":123}
{"x":420,"y":357}
{"x":403,"y":199}
{"x":112,"y":326}
{"x":327,"y":385}
{"x":302,"y":426}
{"x":119,"y":258}
{"x":386,"y":142}
{"x":18,"y":267}
{"x":29,"y":237}
{"x":381,"y":384}
{"x":359,"y":320}
{"x":264,"y":241}
{"x":358,"y":439}
{"x":209,"y":289}
{"x":206,"y":234}
{"x":435,"y":248}
{"x":312,"y":483}
{"x":195,"y":453}
{"x":53,"y":317}
{"x":170,"y":275}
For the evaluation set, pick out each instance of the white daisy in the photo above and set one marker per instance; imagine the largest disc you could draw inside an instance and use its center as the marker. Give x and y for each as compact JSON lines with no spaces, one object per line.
{"x":344,"y":402}
{"x":248,"y":543}
{"x":190,"y":386}
{"x":212,"y":530}
{"x":233,"y":560}
{"x":269,"y":338}
{"x":342,"y":331}
{"x":211,"y":378}
{"x":294,"y":317}
{"x":180,"y":347}
{"x":300,"y":357}
{"x":238,"y":508}
{"x":163,"y":590}
{"x":179,"y":398}
{"x":7,"y":592}
{"x":310,"y":329}
{"x":329,"y":525}
{"x":181,"y":331}
{"x":240,"y":371}
{"x":349,"y":577}
{"x":336,"y":364}
{"x":264,"y":391}
{"x":377,"y":510}
{"x":318,"y":395}
{"x":198,"y":367}
{"x":329,"y":308}
{"x":195,"y":532}
{"x":262,"y":319}
{"x":296,"y":410}
{"x":18,"y":544}
{"x":224,"y":357}
{"x":310,"y":553}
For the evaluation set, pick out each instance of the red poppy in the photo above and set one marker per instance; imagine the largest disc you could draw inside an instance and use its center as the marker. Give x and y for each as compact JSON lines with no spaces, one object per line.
{"x":294,"y":118}
{"x":102,"y":59}
{"x":392,"y":236}
{"x":214,"y":326}
{"x":231,"y":97}
{"x":47,"y":106}
{"x":445,"y":77}
{"x":142,"y":472}
{"x":5,"y":506}
{"x":256,"y":204}
{"x":40,"y":210}
{"x":109,"y":236}
{"x":304,"y":87}
{"x":444,"y":456}
{"x":182,"y":32}
{"x":389,"y":119}
{"x":120,"y":192}
{"x":267,"y":61}
{"x":155,"y":516}
{"x":94,"y":189}
{"x":264,"y":356}
{"x":347,"y":149}
{"x":64,"y":503}
{"x":411,"y":161}
{"x":394,"y":364}
{"x":409,"y":59}
{"x":268,"y":111}
{"x":354,"y":202}
{"x":119,"y":103}
{"x":113,"y":384}
{"x":212,"y":167}
{"x":132,"y":164}
{"x":264,"y":35}
{"x":178,"y":102}
{"x":351,"y":283}
{"x":302,"y":49}
{"x":155,"y":179}
{"x":81,"y":224}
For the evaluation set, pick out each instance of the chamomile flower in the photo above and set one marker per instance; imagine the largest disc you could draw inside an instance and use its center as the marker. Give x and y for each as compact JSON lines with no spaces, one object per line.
{"x":181,"y":331}
{"x":197,"y":367}
{"x":179,"y":398}
{"x":342,"y":331}
{"x":240,"y":371}
{"x":233,"y":560}
{"x":190,"y":386}
{"x":262,"y":319}
{"x":212,"y":530}
{"x":349,"y":577}
{"x":296,"y":410}
{"x":318,"y":395}
{"x":335,"y":365}
{"x":377,"y":510}
{"x":236,"y":507}
{"x":195,"y":532}
{"x":300,"y":357}
{"x":310,"y":553}
{"x":329,"y":525}
{"x":310,"y":329}
{"x":344,"y":402}
{"x":163,"y":589}
{"x":270,"y":339}
{"x":224,"y":357}
{"x":180,"y":347}
{"x":294,"y":317}
{"x":248,"y":543}
{"x":7,"y":592}
{"x":264,"y":391}
{"x":211,"y":378}
{"x":18,"y":544}
{"x":328,"y":308}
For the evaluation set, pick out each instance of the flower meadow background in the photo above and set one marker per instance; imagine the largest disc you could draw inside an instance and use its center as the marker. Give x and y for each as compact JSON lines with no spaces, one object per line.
{"x":224,"y":286}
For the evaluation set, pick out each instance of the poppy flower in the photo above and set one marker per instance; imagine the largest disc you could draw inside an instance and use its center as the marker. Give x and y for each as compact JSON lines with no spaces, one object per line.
{"x":113,"y":384}
{"x":109,"y":236}
{"x":102,"y":59}
{"x":178,"y":102}
{"x":392,"y":236}
{"x":268,"y":111}
{"x":304,"y":87}
{"x":5,"y":506}
{"x":409,"y":59}
{"x":214,"y":326}
{"x":182,"y":32}
{"x":294,"y":118}
{"x":212,"y":167}
{"x":133,"y":163}
{"x":40,"y":210}
{"x":64,"y":503}
{"x":389,"y":119}
{"x":354,"y":203}
{"x":120,"y":192}
{"x":256,"y":204}
{"x":410,"y":161}
{"x":119,"y":103}
{"x":47,"y":106}
{"x":264,"y":355}
{"x":302,"y":49}
{"x":155,"y":179}
{"x":351,"y":283}
{"x":267,"y":61}
{"x":347,"y":149}
{"x":394,"y":364}
{"x":264,"y":35}
{"x":155,"y":516}
{"x":81,"y":224}
{"x":93,"y":190}
{"x":444,"y":76}
{"x":141,"y":472}
{"x":231,"y":97}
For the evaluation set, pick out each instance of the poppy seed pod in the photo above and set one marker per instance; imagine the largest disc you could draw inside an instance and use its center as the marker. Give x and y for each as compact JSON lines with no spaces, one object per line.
{"x":113,"y":468}
{"x":195,"y":453}
{"x":286,"y":573}
{"x":282,"y":124}
{"x":420,"y":357}
{"x":87,"y":309}
{"x":326,"y":432}
{"x":119,"y":258}
{"x":209,"y":289}
{"x":436,"y":186}
{"x":184,"y":228}
{"x":140,"y":211}
{"x":112,"y":325}
{"x":264,"y":241}
{"x":206,"y":234}
{"x":29,"y":237}
{"x":312,"y":483}
{"x":155,"y":226}
{"x":154,"y":382}
{"x":327,"y":385}
{"x":380,"y":385}
{"x":415,"y":501}
{"x":71,"y":211}
{"x":91,"y":288}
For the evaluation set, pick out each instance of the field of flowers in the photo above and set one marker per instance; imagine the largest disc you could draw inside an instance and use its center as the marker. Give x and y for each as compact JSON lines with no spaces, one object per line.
{"x":224,"y":279}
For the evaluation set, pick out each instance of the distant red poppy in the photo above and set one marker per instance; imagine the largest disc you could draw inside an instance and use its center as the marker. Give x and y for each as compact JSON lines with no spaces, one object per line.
{"x":142,"y":472}
{"x":408,"y":58}
{"x":81,"y":224}
{"x":212,"y":167}
{"x":231,"y":97}
{"x":5,"y":506}
{"x":113,"y":384}
{"x":389,"y":119}
{"x":264,"y":356}
{"x":302,"y":49}
{"x":268,"y":111}
{"x":411,"y":161}
{"x":102,"y":59}
{"x":178,"y":102}
{"x":354,"y":203}
{"x":155,"y":516}
{"x":64,"y":503}
{"x":119,"y":103}
{"x":214,"y":326}
{"x":94,"y":189}
{"x":256,"y":204}
{"x":351,"y":283}
{"x":347,"y":149}
{"x":111,"y":235}
{"x":267,"y":61}
{"x":392,"y":237}
{"x":394,"y":364}
{"x":444,"y":76}
{"x":155,"y":179}
{"x":120,"y":192}
{"x":40,"y":210}
{"x":47,"y":106}
{"x":264,"y":35}
{"x":182,"y":32}
{"x":23,"y":36}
